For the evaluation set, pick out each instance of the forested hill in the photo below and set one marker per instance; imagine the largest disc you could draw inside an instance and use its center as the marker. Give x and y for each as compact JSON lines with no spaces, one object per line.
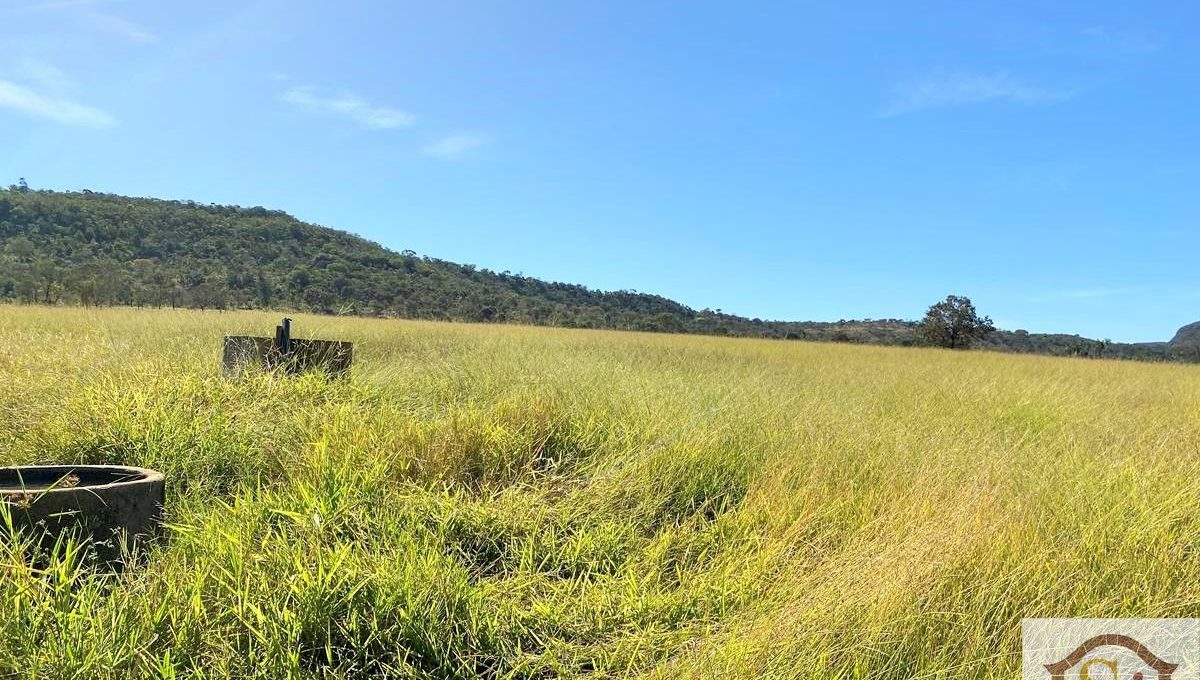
{"x":99,"y":249}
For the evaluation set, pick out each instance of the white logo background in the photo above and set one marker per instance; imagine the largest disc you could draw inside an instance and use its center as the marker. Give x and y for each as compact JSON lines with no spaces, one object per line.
{"x":1046,"y":641}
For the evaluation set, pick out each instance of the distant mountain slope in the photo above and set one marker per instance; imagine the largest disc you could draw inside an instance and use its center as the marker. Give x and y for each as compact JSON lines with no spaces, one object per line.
{"x":90,"y":248}
{"x":1185,"y":345}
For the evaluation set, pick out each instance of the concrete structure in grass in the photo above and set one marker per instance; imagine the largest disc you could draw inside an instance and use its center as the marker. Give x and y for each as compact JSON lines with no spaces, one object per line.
{"x":283,"y":353}
{"x":114,"y":506}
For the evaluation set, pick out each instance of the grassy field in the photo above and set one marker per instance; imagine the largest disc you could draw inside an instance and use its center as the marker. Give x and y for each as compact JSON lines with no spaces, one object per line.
{"x":506,"y":502}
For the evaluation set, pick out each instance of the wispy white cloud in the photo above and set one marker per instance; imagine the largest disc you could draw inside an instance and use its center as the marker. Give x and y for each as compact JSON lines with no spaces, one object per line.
{"x":18,"y":97}
{"x":946,"y":88}
{"x":84,"y":13}
{"x":118,"y":26}
{"x":42,"y":75}
{"x":453,"y":146}
{"x":350,"y":107}
{"x":1124,"y":40}
{"x":56,"y":4}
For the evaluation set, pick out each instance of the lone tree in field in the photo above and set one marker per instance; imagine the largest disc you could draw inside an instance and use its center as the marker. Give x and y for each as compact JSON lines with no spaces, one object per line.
{"x":953,"y":323}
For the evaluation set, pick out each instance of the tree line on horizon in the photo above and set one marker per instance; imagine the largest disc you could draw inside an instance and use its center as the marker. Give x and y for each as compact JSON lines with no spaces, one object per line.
{"x":90,"y":248}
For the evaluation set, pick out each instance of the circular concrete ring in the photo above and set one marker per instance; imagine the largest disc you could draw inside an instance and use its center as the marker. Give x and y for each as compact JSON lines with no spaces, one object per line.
{"x":109,"y":504}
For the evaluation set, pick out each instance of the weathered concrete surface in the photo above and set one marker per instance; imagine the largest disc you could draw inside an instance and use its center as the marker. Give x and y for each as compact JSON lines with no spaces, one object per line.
{"x":108,"y":504}
{"x":247,"y":352}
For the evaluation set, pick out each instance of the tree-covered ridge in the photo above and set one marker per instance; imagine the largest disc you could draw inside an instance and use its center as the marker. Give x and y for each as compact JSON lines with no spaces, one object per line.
{"x":100,"y":249}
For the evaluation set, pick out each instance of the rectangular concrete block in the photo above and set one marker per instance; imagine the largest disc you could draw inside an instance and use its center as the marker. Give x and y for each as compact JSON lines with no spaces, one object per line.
{"x":242,"y":353}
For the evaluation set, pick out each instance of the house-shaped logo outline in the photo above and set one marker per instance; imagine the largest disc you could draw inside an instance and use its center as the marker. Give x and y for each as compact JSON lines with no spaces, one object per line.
{"x":1164,"y":669}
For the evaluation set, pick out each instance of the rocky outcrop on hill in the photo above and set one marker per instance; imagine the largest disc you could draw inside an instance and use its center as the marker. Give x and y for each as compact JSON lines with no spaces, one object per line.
{"x":1185,"y":346}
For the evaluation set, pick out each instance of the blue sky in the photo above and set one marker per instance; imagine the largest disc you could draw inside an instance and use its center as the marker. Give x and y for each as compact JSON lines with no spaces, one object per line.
{"x":782,"y":160}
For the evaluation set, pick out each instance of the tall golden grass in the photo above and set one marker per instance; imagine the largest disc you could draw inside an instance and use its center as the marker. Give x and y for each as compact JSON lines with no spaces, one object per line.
{"x":509,"y":502}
